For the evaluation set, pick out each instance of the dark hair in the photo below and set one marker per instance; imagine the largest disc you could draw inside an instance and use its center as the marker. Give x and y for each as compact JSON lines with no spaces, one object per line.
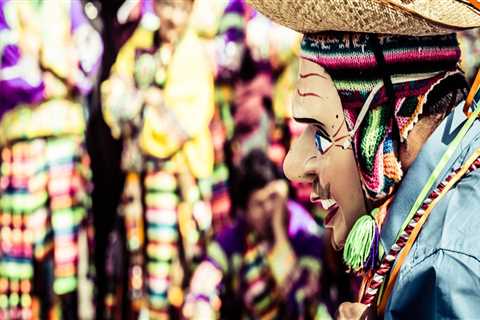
{"x":255,"y":172}
{"x":446,"y":95}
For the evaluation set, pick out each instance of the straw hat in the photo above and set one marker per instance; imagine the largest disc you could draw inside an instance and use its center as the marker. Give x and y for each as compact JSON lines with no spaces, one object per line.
{"x":409,"y":17}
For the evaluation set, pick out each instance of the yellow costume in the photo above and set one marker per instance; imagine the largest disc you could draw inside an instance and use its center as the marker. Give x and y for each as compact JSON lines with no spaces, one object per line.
{"x":172,"y":169}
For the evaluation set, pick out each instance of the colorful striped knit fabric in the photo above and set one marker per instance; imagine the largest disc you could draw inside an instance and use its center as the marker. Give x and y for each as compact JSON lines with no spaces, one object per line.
{"x":165,"y":224}
{"x":43,"y":207}
{"x":68,"y":206}
{"x":18,"y":202}
{"x":349,"y":59}
{"x":161,"y":200}
{"x":258,"y":284}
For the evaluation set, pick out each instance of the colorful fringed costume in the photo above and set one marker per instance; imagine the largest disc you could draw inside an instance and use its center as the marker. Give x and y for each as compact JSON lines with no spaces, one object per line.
{"x":165,"y":206}
{"x":45,"y":70}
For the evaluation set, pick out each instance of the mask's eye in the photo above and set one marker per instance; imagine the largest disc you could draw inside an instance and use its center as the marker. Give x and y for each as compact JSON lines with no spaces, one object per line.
{"x":322,"y":143}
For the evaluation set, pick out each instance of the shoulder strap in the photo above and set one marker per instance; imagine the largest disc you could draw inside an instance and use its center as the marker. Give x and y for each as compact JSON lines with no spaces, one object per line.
{"x":376,"y":282}
{"x":471,"y":164}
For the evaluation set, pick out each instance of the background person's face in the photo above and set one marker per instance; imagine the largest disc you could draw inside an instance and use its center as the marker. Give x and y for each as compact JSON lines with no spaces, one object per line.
{"x":262,"y":205}
{"x":316,"y":157}
{"x":174,"y":16}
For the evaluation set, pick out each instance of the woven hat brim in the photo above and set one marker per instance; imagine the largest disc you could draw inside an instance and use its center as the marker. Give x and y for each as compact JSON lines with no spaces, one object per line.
{"x":372,"y":16}
{"x":453,"y":13}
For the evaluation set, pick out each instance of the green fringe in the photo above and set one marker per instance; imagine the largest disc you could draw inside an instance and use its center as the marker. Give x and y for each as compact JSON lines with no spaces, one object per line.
{"x":359,"y":242}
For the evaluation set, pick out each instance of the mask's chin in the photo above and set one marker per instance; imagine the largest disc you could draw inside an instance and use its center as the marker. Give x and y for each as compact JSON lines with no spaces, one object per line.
{"x":339,"y":231}
{"x":341,"y":223}
{"x":337,"y":244}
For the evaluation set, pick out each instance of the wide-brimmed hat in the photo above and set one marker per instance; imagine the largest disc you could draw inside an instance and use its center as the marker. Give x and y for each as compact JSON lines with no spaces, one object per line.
{"x":409,"y":17}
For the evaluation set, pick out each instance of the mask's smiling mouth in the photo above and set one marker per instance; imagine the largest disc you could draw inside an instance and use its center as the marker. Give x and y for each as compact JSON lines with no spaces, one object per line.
{"x":321,"y":195}
{"x":327,"y":204}
{"x":332,"y":211}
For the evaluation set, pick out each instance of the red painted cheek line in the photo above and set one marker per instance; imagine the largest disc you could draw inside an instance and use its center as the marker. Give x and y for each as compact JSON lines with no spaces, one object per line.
{"x":308,"y":94}
{"x":312,"y":74}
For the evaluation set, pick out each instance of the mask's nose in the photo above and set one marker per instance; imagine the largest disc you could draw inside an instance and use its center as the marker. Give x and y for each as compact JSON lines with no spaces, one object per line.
{"x":296,"y":163}
{"x":291,"y":171}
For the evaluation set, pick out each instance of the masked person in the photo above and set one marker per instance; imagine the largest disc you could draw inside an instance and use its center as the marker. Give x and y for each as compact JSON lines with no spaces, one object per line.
{"x":391,"y":148}
{"x":267,"y":264}
{"x":49,"y":55}
{"x":159,"y":100}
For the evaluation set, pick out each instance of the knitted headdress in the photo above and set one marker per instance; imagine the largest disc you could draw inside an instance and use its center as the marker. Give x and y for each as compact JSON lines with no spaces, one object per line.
{"x":383,"y":82}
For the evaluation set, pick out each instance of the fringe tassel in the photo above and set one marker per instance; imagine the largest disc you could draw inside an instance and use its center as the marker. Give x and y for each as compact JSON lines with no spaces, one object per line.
{"x":361,"y":248}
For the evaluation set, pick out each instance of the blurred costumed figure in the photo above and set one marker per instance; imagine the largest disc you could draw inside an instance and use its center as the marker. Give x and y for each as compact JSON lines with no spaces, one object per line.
{"x":469,"y":41}
{"x":267,"y":264}
{"x":45,"y":70}
{"x":159,"y":100}
{"x":255,"y":59}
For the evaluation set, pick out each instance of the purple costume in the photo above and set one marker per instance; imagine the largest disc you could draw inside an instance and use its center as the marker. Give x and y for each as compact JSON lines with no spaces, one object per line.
{"x":20,"y":74}
{"x":248,"y":287}
{"x":15,"y":88}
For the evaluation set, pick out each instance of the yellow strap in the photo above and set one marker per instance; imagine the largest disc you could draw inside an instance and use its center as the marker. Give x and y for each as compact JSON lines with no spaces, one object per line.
{"x":411,"y":240}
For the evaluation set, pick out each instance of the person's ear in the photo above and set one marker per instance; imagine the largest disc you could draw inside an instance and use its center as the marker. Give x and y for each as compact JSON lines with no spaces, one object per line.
{"x":420,"y":133}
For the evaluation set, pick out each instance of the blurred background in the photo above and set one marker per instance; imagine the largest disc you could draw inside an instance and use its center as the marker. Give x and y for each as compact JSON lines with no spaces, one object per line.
{"x":141,"y":177}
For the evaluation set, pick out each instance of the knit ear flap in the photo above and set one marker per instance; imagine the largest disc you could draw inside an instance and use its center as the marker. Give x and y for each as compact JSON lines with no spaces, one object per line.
{"x":373,"y":132}
{"x":406,"y":117}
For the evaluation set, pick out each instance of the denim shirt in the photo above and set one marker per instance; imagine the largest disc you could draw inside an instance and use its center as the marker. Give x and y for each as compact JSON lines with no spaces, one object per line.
{"x":440,"y":277}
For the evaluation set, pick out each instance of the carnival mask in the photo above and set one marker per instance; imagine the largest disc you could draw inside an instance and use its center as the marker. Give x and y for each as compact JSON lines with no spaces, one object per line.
{"x":323,"y":154}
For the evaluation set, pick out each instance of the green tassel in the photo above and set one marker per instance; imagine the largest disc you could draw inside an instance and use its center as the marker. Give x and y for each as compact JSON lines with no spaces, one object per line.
{"x":359,"y":242}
